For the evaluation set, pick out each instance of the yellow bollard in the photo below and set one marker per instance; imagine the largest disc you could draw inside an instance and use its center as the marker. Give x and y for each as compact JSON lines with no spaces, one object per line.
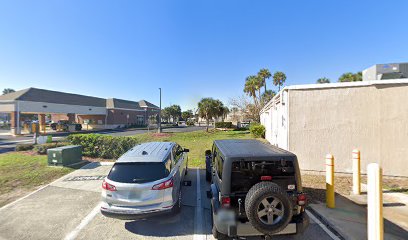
{"x":356,"y":172}
{"x":375,"y":225}
{"x":330,"y":202}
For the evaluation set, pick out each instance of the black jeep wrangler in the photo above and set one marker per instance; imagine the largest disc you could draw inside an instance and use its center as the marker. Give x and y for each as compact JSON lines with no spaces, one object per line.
{"x":256,"y":190}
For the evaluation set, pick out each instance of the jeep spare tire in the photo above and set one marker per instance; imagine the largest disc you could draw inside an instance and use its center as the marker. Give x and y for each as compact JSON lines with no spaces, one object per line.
{"x":268,"y":208}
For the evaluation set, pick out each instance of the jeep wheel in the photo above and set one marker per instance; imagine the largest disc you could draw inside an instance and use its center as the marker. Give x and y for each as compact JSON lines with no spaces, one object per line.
{"x":268,"y":208}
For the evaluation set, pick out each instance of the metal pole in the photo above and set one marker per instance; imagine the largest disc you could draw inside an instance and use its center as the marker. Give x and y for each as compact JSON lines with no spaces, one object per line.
{"x":159,"y":130}
{"x":356,"y":172}
{"x":330,"y":202}
{"x":375,"y":222}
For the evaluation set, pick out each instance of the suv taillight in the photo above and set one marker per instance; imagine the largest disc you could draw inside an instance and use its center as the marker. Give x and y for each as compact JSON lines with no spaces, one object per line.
{"x":301,"y":198}
{"x":108,"y":186}
{"x":225,"y":201}
{"x":164,"y":185}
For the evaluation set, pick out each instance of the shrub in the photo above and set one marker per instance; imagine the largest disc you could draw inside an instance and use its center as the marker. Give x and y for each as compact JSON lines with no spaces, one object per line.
{"x":223,"y":124}
{"x":42,"y":148}
{"x":257,"y":130}
{"x":190,"y":123}
{"x":102,"y":146}
{"x":49,"y":139}
{"x":24,"y":147}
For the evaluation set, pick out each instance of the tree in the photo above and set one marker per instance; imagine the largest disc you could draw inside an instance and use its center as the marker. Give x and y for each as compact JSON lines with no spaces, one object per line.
{"x":187,"y":114}
{"x":267,"y":96}
{"x":247,"y":110}
{"x":8,"y":90}
{"x":279,"y":79}
{"x":225,"y":112}
{"x":166,"y":114}
{"x":351,"y":77}
{"x":253,"y":84}
{"x":323,"y":80}
{"x":264,"y":74}
{"x":207,"y":109}
{"x":175,"y":112}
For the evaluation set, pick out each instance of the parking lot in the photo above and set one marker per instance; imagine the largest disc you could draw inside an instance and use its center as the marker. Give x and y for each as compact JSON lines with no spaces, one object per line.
{"x":69,"y":209}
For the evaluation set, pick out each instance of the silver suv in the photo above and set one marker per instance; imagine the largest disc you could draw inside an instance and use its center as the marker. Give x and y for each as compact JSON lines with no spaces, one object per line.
{"x":145,"y":181}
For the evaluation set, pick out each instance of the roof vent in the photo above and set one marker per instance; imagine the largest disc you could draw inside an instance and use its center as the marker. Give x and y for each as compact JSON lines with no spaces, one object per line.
{"x":144,"y":153}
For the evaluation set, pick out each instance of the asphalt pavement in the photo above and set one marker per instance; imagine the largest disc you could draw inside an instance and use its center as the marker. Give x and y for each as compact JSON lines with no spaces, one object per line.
{"x":69,"y":209}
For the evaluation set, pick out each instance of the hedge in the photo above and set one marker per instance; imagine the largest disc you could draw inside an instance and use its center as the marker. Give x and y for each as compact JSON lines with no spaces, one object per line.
{"x":103,"y":146}
{"x":42,"y":148}
{"x":223,"y":124}
{"x":257,"y":130}
{"x":24,"y":147}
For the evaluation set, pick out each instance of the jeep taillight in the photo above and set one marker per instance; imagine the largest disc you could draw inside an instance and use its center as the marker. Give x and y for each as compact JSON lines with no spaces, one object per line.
{"x":108,"y":186}
{"x":225,"y":201}
{"x":266,"y":178}
{"x":301,"y":198}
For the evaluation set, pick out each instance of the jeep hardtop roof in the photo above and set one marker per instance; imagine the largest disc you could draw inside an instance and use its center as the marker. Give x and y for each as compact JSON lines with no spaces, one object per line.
{"x":249,"y":148}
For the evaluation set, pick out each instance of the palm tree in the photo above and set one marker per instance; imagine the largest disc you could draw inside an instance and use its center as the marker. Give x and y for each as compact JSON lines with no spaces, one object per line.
{"x":267,"y":96}
{"x":8,"y":90}
{"x":207,"y":109}
{"x":253,"y":84}
{"x":279,"y":79}
{"x":264,"y":74}
{"x":351,"y":77}
{"x":323,"y":80}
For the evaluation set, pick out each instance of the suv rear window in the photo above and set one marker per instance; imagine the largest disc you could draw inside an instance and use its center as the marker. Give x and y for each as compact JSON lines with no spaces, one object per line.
{"x":245,"y":174}
{"x":140,"y":172}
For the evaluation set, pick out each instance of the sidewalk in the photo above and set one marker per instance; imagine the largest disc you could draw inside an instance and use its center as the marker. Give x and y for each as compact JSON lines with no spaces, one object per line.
{"x":349,"y":218}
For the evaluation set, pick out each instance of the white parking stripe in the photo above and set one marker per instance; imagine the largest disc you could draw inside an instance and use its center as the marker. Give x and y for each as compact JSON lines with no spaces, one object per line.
{"x":198,"y":227}
{"x":72,"y":235}
{"x":332,"y":235}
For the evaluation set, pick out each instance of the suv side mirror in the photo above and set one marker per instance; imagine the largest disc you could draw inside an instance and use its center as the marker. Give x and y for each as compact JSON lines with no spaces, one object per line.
{"x":186,"y":150}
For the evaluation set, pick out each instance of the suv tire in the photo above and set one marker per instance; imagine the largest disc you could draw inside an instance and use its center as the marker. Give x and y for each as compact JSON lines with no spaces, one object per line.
{"x":267,"y":199}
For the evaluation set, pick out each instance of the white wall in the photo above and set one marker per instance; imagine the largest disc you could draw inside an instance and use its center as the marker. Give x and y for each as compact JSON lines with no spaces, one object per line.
{"x":275,"y":120}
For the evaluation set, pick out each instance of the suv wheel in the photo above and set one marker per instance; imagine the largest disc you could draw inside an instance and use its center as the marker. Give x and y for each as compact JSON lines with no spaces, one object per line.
{"x":268,"y":208}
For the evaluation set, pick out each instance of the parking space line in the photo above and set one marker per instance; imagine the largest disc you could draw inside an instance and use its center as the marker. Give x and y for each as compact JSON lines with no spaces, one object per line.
{"x":198,"y":226}
{"x":315,"y":219}
{"x":74,"y":233}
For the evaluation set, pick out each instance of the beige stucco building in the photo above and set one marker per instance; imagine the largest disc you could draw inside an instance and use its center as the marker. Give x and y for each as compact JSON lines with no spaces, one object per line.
{"x":316,"y":119}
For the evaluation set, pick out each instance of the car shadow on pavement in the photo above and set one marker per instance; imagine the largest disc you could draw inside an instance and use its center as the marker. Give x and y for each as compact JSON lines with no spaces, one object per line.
{"x":166,"y":225}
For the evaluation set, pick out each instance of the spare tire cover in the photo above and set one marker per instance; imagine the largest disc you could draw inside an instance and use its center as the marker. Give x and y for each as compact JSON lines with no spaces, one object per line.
{"x":268,"y":208}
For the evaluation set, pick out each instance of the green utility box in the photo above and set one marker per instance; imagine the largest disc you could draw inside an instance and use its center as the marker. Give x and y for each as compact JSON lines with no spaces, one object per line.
{"x":63,"y":156}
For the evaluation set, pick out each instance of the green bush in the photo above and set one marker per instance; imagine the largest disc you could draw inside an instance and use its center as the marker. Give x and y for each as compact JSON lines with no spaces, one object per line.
{"x":102,"y":146}
{"x":42,"y":148}
{"x":24,"y":147}
{"x":223,"y":124}
{"x":257,"y":130}
{"x":190,"y":123}
{"x":49,"y":139}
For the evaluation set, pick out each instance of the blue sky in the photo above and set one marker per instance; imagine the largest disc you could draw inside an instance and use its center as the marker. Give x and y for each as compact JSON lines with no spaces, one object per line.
{"x":192,"y":49}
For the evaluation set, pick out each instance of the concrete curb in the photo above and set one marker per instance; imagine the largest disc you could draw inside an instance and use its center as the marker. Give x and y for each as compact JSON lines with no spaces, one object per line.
{"x":326,"y":222}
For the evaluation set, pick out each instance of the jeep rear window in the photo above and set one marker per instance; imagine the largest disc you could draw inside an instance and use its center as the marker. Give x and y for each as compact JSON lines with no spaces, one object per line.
{"x":245,"y":174}
{"x":140,"y":172}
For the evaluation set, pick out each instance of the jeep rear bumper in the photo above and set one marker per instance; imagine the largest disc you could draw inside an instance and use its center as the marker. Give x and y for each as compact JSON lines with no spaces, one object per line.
{"x":237,"y":229}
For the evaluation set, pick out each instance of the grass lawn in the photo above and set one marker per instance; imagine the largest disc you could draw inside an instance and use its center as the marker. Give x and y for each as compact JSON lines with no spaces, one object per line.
{"x":21,"y":173}
{"x":197,"y":142}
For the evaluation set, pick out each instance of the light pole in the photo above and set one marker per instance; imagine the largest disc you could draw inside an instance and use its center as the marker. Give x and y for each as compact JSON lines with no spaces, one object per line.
{"x":159,"y":130}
